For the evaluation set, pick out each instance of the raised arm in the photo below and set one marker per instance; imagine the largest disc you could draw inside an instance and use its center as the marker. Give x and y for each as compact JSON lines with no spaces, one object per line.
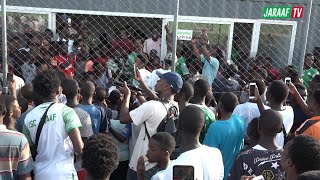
{"x":124,"y":111}
{"x":168,"y":38}
{"x":204,"y":42}
{"x":117,"y":135}
{"x":298,"y":99}
{"x":194,"y":47}
{"x":259,"y":101}
{"x":151,"y":95}
{"x":12,"y":88}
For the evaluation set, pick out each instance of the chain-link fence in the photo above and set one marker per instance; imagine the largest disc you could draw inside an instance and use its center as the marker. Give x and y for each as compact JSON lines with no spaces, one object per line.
{"x":228,"y":42}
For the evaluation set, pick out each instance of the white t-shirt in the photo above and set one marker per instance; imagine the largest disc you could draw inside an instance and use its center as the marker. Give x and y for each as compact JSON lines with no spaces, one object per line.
{"x":145,"y":74}
{"x":150,"y":44}
{"x":19,"y":81}
{"x":158,"y":176}
{"x":152,"y":113}
{"x":248,"y":111}
{"x":288,"y":116}
{"x":55,"y":150}
{"x":134,"y":137}
{"x":207,"y":163}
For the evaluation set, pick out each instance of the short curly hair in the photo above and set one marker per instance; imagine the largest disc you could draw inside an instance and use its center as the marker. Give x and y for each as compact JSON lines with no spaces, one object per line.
{"x":278,"y":90}
{"x":46,"y":84}
{"x":304,"y":152}
{"x":165,"y":140}
{"x":100,"y":156}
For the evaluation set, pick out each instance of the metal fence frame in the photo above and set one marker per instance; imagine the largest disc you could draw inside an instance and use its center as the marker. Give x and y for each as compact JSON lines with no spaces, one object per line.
{"x":52,"y":12}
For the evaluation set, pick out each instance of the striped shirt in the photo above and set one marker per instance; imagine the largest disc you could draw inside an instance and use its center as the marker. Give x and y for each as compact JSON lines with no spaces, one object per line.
{"x":15,"y":155}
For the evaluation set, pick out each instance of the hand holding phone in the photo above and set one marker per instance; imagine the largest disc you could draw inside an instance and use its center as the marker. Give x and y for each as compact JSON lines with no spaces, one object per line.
{"x":252,"y":89}
{"x":135,"y":68}
{"x":137,"y":75}
{"x":9,"y":77}
{"x":287,"y":80}
{"x":181,"y":172}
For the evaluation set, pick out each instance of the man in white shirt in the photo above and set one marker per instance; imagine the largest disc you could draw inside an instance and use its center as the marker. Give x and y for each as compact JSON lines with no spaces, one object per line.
{"x":249,"y":110}
{"x":18,"y":80}
{"x":59,"y":138}
{"x":149,"y":114}
{"x":207,"y":161}
{"x":277,"y":94}
{"x":153,"y":43}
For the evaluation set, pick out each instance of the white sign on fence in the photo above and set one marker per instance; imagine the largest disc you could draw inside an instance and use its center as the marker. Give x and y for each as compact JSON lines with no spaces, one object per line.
{"x":184,"y":34}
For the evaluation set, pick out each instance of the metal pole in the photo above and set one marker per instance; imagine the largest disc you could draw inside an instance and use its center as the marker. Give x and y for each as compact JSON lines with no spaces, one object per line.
{"x":174,"y":38}
{"x":4,"y":46}
{"x":305,"y":39}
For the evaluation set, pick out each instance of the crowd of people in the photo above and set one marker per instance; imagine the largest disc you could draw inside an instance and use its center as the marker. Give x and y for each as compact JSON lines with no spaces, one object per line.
{"x":78,"y":109}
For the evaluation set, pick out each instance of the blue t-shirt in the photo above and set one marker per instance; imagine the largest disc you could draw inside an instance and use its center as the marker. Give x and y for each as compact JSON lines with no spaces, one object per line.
{"x":95,"y":115}
{"x":227,"y":136}
{"x":210,"y":69}
{"x":127,"y":131}
{"x":123,"y":147}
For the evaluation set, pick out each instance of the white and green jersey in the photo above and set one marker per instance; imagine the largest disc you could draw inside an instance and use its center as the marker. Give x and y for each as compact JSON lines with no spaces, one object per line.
{"x":209,"y":118}
{"x":55,"y":149}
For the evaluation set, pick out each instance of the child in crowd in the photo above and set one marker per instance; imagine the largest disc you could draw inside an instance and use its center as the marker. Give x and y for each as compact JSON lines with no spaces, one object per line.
{"x":106,"y":112}
{"x":100,"y":157}
{"x":184,"y":96}
{"x":264,"y":158}
{"x":87,"y":92}
{"x":227,"y":133}
{"x":13,"y":111}
{"x":277,"y":94}
{"x":201,"y":89}
{"x":121,"y":134}
{"x":161,"y":145}
{"x":253,"y":134}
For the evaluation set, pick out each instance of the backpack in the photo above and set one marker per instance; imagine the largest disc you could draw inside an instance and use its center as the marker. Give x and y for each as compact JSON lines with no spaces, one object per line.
{"x":168,"y":123}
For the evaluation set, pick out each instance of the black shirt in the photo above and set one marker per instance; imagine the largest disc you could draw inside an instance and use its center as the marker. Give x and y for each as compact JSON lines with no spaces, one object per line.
{"x":258,"y":161}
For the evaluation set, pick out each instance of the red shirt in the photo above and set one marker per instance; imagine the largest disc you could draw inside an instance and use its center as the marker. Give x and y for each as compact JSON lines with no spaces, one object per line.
{"x":125,"y":44}
{"x":274,"y":73}
{"x":68,"y":71}
{"x":103,"y":61}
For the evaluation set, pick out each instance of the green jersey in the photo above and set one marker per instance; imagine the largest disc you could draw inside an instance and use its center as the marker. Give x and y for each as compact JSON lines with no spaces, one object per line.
{"x":308,"y":75}
{"x":181,"y":67}
{"x":131,"y":60}
{"x":209,"y":118}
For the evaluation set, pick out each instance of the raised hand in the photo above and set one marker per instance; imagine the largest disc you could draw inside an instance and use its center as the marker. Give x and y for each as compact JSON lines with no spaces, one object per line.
{"x":137,"y":76}
{"x":141,"y":167}
{"x":194,"y":40}
{"x":125,"y":90}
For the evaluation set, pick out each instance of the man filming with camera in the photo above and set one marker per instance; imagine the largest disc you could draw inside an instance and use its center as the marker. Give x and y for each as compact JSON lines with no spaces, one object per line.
{"x":148,"y":118}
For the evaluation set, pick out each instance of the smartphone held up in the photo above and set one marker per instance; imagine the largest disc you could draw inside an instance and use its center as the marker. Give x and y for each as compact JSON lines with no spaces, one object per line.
{"x":287,"y":80}
{"x":183,"y":172}
{"x":252,"y":90}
